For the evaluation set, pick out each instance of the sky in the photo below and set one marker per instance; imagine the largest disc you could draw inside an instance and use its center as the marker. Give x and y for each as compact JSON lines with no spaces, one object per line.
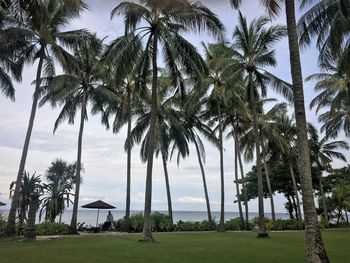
{"x":103,"y":154}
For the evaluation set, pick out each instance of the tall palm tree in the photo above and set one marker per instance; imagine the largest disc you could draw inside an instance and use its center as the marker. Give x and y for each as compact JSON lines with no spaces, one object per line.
{"x":193,"y":125}
{"x":323,"y":153}
{"x":168,"y":129}
{"x":42,"y":24}
{"x":164,"y":22}
{"x":252,"y":45}
{"x":315,"y":251}
{"x":215,"y":108}
{"x":80,"y":84}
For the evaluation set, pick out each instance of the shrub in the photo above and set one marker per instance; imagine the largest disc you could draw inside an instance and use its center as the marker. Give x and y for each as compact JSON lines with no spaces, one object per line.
{"x":234,"y":224}
{"x":161,"y":223}
{"x":193,"y":226}
{"x":48,"y":228}
{"x":287,"y":224}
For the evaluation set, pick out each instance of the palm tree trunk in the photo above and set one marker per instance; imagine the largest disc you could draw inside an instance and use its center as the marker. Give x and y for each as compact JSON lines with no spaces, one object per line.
{"x":346,"y":215}
{"x":238,"y":194}
{"x":73,"y":223}
{"x":295,"y":189}
{"x":221,"y":227}
{"x":167,"y":185}
{"x":11,"y":221}
{"x":268,"y":183}
{"x":245,"y":196}
{"x":325,"y":210}
{"x":315,"y":251}
{"x":262,"y":229}
{"x":210,"y":220}
{"x":128,"y":170}
{"x":290,"y":208}
{"x":295,"y":209}
{"x":151,"y":138}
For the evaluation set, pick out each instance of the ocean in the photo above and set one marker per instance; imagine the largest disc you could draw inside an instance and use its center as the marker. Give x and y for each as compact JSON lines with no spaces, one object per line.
{"x":89,"y":216}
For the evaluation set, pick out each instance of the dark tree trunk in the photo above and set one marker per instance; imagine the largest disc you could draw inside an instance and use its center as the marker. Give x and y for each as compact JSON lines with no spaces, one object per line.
{"x":221,"y":227}
{"x":262,"y":229}
{"x":290,"y":208}
{"x":295,"y":207}
{"x":315,"y":251}
{"x":324,"y":204}
{"x":238,"y":193}
{"x":272,"y":203}
{"x":73,"y":222}
{"x":128,"y":170}
{"x":295,"y":189}
{"x":11,"y":221}
{"x":210,"y":220}
{"x":151,"y":138}
{"x":245,"y":196}
{"x":167,"y":185}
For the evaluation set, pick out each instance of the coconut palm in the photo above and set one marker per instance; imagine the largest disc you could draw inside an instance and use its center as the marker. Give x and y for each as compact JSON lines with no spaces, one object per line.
{"x":80,"y":84}
{"x":340,"y":200}
{"x":194,"y":126}
{"x":168,"y":129}
{"x":252,"y":46}
{"x":164,"y":21}
{"x":323,"y":153}
{"x":315,"y":251}
{"x":42,"y":24}
{"x":329,"y":22}
{"x":333,"y":86}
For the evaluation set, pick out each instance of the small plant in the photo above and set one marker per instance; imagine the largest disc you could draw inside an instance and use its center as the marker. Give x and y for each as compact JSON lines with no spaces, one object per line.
{"x":48,"y":228}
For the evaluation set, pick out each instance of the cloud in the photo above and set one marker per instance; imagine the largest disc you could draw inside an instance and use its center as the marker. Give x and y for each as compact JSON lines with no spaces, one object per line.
{"x":191,"y":200}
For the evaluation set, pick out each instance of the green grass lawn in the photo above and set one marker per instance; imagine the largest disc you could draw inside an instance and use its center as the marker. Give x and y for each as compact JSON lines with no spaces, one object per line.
{"x":175,"y":247}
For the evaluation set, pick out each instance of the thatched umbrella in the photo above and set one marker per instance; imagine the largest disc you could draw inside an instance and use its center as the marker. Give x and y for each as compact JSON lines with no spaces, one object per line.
{"x":2,"y":204}
{"x":98,"y":205}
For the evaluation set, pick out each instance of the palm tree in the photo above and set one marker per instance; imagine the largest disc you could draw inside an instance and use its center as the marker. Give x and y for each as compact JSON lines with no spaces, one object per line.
{"x":29,"y":185}
{"x":328,"y":21}
{"x":334,"y":88}
{"x":252,"y":46}
{"x":215,"y":108}
{"x":42,"y":24}
{"x":315,"y":251}
{"x":73,"y":90}
{"x":168,"y":129}
{"x":323,"y":153}
{"x":164,"y":22}
{"x":340,"y":199}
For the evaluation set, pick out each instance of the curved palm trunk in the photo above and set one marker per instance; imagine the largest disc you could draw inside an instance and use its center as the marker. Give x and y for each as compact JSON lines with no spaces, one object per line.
{"x":128,"y":171}
{"x":11,"y":221}
{"x":295,"y":208}
{"x":290,"y":207}
{"x":262,"y":229}
{"x":221,"y":227}
{"x":295,"y":189}
{"x":245,"y":196}
{"x":210,"y":220}
{"x":238,"y":194}
{"x":147,"y":230}
{"x":267,"y":174}
{"x":315,"y":251}
{"x":73,"y":222}
{"x":167,"y":185}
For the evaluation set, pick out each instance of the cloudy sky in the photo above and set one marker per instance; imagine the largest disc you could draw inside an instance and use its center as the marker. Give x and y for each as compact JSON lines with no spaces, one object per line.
{"x":103,"y":156}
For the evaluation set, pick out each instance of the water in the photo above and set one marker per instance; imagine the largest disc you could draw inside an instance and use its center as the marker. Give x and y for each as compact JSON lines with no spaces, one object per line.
{"x":89,"y":216}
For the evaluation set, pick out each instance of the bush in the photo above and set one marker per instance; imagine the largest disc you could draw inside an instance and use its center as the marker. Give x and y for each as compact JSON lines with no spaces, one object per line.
{"x":287,"y":224}
{"x":234,"y":224}
{"x":48,"y":228}
{"x":193,"y":226}
{"x":161,"y":223}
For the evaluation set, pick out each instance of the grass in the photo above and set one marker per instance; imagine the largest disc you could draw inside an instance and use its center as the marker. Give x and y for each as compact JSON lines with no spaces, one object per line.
{"x":175,"y":247}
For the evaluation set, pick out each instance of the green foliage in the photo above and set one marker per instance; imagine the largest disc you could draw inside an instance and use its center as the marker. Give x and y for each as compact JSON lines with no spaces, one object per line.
{"x":2,"y":223}
{"x":233,"y":224}
{"x":48,"y":228}
{"x":287,"y":224}
{"x":193,"y":226}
